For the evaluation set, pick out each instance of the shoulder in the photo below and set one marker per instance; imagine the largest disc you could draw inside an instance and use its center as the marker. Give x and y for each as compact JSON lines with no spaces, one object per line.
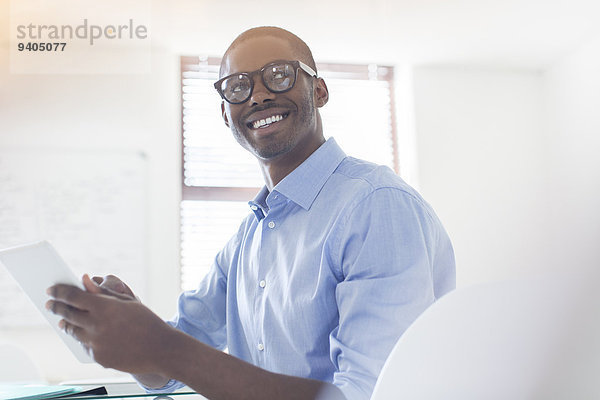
{"x":365,"y":182}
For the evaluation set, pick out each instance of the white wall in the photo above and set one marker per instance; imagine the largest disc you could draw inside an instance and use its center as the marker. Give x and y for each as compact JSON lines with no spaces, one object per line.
{"x":509,"y":159}
{"x":481,"y":156}
{"x":572,"y":100}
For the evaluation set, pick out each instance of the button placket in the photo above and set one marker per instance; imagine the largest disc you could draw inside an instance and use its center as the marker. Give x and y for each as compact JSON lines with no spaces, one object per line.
{"x":262,"y":283}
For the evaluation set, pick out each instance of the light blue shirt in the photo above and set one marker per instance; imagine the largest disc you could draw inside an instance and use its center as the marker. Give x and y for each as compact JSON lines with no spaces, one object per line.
{"x":324,"y":275}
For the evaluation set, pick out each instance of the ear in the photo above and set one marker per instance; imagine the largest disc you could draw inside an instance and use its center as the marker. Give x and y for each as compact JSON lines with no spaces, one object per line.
{"x":321,"y":93}
{"x":224,"y":114}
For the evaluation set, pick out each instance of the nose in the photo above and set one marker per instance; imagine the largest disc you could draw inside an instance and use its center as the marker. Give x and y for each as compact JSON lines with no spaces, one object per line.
{"x":260,"y":94}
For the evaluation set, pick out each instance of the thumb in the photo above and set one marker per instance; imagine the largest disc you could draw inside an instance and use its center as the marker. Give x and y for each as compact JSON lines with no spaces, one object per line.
{"x":90,"y":285}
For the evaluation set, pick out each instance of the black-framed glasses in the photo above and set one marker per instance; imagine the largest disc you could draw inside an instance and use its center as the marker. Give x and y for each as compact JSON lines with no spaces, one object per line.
{"x":277,"y":76}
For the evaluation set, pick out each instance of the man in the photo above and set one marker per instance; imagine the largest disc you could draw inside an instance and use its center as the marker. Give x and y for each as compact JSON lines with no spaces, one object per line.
{"x":336,"y":260}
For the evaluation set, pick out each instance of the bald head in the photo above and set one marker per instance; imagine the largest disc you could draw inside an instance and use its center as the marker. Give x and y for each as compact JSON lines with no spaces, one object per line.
{"x":300,"y":49}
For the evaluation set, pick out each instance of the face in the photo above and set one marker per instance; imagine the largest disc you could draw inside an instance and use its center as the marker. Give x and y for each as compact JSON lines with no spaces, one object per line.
{"x":295,"y":125}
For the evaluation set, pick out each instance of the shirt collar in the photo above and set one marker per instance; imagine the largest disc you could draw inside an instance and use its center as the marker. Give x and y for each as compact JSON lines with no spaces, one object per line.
{"x":259,"y":204}
{"x":303,"y":184}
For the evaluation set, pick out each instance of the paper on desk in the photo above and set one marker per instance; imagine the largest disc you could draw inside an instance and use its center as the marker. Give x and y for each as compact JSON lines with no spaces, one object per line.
{"x":26,"y":392}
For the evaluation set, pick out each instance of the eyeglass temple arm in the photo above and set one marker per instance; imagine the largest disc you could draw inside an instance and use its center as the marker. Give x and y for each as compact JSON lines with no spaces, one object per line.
{"x":308,"y":69}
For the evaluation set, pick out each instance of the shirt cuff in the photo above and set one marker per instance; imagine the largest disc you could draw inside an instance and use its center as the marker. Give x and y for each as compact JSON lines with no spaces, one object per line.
{"x":351,"y":392}
{"x":169,"y":387}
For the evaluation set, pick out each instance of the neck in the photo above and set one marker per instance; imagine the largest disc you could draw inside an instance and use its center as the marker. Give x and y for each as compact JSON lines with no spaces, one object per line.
{"x":275,"y":170}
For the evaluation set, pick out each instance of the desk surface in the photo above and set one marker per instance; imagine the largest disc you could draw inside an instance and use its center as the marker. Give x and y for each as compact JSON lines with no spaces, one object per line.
{"x":170,"y":396}
{"x":131,"y":391}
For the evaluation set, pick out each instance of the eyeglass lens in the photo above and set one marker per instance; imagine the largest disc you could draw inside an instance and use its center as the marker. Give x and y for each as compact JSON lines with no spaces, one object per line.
{"x":277,"y":78}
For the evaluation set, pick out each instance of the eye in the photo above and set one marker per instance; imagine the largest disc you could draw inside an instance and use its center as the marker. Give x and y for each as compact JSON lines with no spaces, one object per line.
{"x":236,"y":88}
{"x":279,"y":77}
{"x":238,"y":85}
{"x":279,"y":72}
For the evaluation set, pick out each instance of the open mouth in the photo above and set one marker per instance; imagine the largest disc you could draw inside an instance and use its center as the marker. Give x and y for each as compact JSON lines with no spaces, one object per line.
{"x":266,"y":122}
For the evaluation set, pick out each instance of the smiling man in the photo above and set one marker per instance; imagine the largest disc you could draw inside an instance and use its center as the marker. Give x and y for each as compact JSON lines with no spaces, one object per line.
{"x":336,"y":259}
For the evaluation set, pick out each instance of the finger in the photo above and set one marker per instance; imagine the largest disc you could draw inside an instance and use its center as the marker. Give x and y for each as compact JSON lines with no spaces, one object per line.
{"x":69,"y":313}
{"x":75,"y":331}
{"x":71,"y":295}
{"x":115,"y":284}
{"x":128,"y":291}
{"x":111,"y":286}
{"x":90,"y":285}
{"x":120,"y":296}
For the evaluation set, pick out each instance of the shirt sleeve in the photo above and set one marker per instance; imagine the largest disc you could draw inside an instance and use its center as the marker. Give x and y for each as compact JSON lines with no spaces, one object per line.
{"x":386,"y":250}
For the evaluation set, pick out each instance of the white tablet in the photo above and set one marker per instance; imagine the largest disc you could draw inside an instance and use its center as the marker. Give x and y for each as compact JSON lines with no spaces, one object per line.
{"x":36,"y":267}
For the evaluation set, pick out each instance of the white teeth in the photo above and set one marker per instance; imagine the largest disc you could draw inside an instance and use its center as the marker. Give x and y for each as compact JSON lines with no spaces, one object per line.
{"x":267,"y":121}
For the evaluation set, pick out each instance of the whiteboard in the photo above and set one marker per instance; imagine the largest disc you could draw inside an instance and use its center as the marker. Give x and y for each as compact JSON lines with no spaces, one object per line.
{"x":91,"y":205}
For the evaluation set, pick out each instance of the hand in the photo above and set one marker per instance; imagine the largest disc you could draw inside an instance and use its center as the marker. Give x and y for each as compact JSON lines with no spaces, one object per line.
{"x":114,"y":284}
{"x":117,"y":330}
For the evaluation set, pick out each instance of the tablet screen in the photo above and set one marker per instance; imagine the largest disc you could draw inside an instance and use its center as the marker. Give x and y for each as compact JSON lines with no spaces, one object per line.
{"x":36,"y":267}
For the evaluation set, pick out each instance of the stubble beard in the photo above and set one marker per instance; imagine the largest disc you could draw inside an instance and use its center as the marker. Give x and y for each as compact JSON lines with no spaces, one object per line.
{"x":288,"y":140}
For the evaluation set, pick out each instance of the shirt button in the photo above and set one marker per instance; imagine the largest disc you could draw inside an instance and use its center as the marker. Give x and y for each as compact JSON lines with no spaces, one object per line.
{"x":254,"y":208}
{"x":271,"y":224}
{"x":262,"y":283}
{"x":260,"y":347}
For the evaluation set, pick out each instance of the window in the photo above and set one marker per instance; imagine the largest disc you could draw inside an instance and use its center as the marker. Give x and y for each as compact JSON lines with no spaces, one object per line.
{"x":219,"y":177}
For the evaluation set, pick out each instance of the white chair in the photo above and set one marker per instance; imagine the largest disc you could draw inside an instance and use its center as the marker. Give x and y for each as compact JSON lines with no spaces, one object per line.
{"x":534,"y":339}
{"x":16,"y":366}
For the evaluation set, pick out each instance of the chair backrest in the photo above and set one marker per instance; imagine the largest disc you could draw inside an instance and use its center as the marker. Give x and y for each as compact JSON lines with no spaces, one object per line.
{"x":16,"y":366}
{"x":532,"y":339}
